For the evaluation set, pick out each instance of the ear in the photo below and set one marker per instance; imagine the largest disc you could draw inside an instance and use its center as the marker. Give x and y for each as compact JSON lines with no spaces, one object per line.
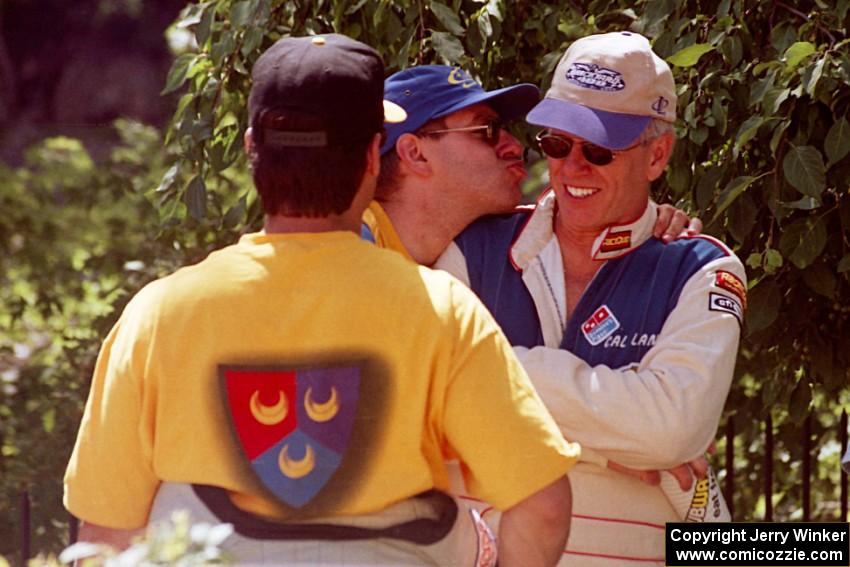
{"x":660,"y":150}
{"x":411,"y":155}
{"x":248,"y":141}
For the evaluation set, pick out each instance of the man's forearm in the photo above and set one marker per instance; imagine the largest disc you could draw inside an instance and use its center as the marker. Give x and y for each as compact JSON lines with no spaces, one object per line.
{"x":93,"y":533}
{"x":534,"y":532}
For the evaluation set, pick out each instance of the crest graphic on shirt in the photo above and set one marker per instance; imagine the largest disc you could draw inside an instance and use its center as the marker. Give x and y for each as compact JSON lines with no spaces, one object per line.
{"x":600,"y":325}
{"x":293,"y":425}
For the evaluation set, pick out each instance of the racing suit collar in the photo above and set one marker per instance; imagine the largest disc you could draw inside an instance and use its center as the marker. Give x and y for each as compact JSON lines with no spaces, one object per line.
{"x":619,"y":240}
{"x":613,"y":242}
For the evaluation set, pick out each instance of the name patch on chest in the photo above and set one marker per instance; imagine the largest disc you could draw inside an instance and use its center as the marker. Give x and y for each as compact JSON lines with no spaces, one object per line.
{"x":601,"y":325}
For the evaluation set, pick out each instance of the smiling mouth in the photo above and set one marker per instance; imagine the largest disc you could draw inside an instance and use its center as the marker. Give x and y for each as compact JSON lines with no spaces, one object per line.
{"x":581,"y":192}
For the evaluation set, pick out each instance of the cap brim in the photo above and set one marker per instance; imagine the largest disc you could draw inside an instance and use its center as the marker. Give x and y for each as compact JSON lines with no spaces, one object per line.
{"x":393,"y":113}
{"x":611,"y":130}
{"x":510,"y":102}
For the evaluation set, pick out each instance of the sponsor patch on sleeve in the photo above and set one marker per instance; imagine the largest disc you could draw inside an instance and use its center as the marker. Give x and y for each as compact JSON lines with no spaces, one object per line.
{"x":617,"y":241}
{"x":726,"y":304}
{"x":600,"y":325}
{"x":731,"y":283}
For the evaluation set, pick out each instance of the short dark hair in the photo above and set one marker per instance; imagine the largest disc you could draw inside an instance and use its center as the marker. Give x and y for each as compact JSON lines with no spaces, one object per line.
{"x":304,"y":181}
{"x":389,"y":179}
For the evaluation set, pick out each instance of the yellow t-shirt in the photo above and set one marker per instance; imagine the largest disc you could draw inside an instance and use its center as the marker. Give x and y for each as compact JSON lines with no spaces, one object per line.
{"x":436,"y":379}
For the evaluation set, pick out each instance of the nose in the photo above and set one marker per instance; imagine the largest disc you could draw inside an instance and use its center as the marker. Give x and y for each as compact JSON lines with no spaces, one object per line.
{"x":570,"y":167}
{"x":508,"y":147}
{"x":575,"y":162}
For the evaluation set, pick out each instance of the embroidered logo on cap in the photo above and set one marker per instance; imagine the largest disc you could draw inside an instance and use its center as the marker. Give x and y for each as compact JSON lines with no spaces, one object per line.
{"x":459,"y":77}
{"x":592,"y":76}
{"x":660,"y":105}
{"x":600,"y":326}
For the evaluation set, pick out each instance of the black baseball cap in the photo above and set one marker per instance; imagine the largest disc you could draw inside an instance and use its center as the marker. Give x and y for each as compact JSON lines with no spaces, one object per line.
{"x":331,"y":77}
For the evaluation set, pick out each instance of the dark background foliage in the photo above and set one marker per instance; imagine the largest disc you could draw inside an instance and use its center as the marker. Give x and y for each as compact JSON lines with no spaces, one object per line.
{"x":762,"y":158}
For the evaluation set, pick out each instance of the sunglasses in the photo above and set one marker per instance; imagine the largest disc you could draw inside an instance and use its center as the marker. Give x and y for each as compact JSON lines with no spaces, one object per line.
{"x":491,"y":131}
{"x":558,"y":147}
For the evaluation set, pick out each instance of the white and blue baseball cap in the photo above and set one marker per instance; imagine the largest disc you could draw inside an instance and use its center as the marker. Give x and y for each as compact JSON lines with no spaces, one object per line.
{"x":427,"y":92}
{"x":606,"y":89}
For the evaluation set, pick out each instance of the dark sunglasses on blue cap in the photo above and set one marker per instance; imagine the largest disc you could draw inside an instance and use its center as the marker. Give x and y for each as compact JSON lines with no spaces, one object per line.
{"x":491,"y":131}
{"x":559,"y":147}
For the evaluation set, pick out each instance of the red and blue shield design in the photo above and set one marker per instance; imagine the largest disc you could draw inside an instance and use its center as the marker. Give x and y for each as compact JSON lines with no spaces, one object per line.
{"x":294,"y":425}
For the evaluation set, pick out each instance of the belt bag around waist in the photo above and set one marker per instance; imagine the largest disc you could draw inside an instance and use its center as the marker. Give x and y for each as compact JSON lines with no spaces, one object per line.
{"x":440,"y":514}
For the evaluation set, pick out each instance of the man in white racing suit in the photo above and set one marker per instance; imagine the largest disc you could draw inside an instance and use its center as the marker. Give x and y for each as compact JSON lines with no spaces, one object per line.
{"x":631,"y":343}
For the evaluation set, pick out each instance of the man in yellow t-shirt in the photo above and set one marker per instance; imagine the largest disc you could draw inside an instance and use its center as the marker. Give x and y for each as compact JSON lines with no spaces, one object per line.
{"x":307,"y":386}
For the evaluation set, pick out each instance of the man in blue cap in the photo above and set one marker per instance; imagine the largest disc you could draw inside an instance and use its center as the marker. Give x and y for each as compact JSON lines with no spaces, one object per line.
{"x":630,"y":342}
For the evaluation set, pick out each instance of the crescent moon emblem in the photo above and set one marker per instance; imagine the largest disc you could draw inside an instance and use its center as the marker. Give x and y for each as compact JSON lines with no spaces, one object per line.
{"x":323,"y":412}
{"x":269,"y":415}
{"x":458,"y":77}
{"x":296,"y":469}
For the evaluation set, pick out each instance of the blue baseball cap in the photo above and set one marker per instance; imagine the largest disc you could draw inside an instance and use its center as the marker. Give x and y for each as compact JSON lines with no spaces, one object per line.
{"x":427,"y":92}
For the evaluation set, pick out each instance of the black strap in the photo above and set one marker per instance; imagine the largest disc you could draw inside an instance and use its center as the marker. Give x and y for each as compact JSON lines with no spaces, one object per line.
{"x":423,"y":531}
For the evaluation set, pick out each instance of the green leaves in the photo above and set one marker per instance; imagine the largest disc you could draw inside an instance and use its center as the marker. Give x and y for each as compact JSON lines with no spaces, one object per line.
{"x":447,"y":46}
{"x":837,"y":143}
{"x":689,"y":56}
{"x":803,"y":168}
{"x":447,"y":17}
{"x":747,"y":132}
{"x":764,"y":302}
{"x":732,"y":191}
{"x":196,"y":197}
{"x":177,"y":73}
{"x":798,"y":51}
{"x":803,"y":241}
{"x":821,"y":279}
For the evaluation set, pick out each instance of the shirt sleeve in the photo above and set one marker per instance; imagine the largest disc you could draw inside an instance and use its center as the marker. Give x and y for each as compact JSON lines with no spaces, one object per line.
{"x":110,"y":479}
{"x":507,"y":443}
{"x":665,"y":410}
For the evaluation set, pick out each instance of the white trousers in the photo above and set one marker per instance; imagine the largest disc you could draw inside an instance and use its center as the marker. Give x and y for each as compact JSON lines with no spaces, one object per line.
{"x":468,"y":543}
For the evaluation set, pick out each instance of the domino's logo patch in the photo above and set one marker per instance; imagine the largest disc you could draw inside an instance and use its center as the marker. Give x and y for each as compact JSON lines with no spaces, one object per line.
{"x":592,"y":76}
{"x":600,"y":326}
{"x":724,"y":303}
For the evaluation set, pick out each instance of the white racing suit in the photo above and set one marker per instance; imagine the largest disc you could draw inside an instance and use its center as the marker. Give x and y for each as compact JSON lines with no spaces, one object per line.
{"x":431,"y":529}
{"x":638,"y":375}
